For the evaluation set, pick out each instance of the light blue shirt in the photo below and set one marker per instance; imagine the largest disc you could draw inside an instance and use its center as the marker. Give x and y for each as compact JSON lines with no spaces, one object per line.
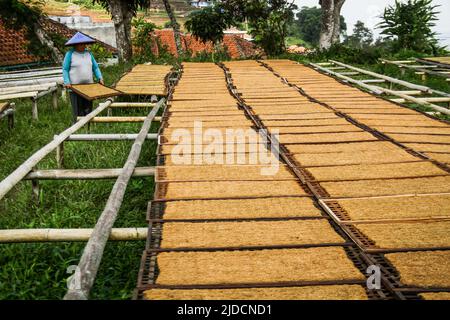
{"x":80,"y":67}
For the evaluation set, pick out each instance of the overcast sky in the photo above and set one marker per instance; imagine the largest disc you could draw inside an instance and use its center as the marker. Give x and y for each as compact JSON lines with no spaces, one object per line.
{"x":368,"y":11}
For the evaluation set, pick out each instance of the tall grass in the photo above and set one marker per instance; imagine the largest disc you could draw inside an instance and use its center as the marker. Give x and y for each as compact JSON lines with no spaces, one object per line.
{"x":38,"y":271}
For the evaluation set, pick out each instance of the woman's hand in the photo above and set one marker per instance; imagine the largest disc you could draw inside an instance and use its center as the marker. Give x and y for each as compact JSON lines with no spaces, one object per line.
{"x":68,"y":86}
{"x":101,"y":82}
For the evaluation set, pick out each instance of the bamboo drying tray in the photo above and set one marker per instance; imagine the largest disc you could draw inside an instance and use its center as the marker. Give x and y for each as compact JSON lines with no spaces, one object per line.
{"x":435,"y":295}
{"x":227,"y":189}
{"x":220,"y":172}
{"x":425,"y":122}
{"x":420,"y":138}
{"x":326,"y":137}
{"x":410,"y":207}
{"x":422,"y":268}
{"x":248,"y":233}
{"x":93,"y":91}
{"x":299,"y":116}
{"x":376,"y":171}
{"x":420,"y":234}
{"x":346,"y":158}
{"x":442,"y":157}
{"x":440,"y":130}
{"x":337,"y":292}
{"x":423,"y":147}
{"x":343,"y":147}
{"x":365,"y":188}
{"x":285,"y":207}
{"x":263,"y":266}
{"x":315,"y":129}
{"x":301,"y":123}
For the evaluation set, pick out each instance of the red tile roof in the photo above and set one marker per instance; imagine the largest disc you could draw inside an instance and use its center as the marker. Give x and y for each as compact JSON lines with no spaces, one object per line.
{"x":13,"y":46}
{"x":237,"y":47}
{"x":14,"y":43}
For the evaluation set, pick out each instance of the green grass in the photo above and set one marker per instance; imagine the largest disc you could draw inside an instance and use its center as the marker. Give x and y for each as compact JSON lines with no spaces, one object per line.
{"x":38,"y":271}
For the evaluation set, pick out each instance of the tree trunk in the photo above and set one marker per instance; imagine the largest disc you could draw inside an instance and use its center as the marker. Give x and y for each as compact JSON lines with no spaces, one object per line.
{"x":337,"y":21}
{"x":46,"y":41}
{"x":122,"y":25}
{"x":175,"y":26}
{"x":327,"y":24}
{"x":330,"y":25}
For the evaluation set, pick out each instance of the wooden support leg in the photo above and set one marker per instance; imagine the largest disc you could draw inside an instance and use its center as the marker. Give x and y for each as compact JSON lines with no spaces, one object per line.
{"x":35,"y":110}
{"x":55,"y":99}
{"x":64,"y":94}
{"x":60,"y":155}
{"x":11,"y":121}
{"x":36,"y":190}
{"x":109,"y":112}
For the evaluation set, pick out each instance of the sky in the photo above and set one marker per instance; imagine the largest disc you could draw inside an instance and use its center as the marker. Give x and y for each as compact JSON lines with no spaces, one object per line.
{"x":368,"y":11}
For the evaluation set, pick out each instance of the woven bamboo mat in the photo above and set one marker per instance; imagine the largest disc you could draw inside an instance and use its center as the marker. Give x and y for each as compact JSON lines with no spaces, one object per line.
{"x":285,"y":207}
{"x":435,"y":295}
{"x":343,"y":147}
{"x":397,"y":235}
{"x":312,"y":264}
{"x":442,"y":157}
{"x":94,"y":91}
{"x":421,"y":138}
{"x":377,"y":171}
{"x":440,"y":130}
{"x":316,"y":129}
{"x":346,"y":158}
{"x":302,"y":123}
{"x":220,"y":172}
{"x":248,"y":233}
{"x":409,"y":207}
{"x":365,"y":188}
{"x":422,"y":268}
{"x":326,"y":137}
{"x":423,"y":147}
{"x":233,"y":189}
{"x":338,"y":292}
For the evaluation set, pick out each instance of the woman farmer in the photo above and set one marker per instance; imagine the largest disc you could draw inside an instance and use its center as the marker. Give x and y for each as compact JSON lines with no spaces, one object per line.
{"x":79,"y":67}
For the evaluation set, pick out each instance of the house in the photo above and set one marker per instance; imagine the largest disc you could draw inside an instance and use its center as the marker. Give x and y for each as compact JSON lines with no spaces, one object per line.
{"x":237,"y":47}
{"x":15,"y":51}
{"x":201,"y":3}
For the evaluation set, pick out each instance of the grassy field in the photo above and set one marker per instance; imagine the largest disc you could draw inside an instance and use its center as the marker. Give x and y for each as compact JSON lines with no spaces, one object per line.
{"x":38,"y":271}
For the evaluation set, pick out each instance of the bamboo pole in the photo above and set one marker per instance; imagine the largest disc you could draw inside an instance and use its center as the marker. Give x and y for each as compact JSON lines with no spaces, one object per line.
{"x":132,"y":105}
{"x":81,"y":282}
{"x":393,"y":80}
{"x":17,"y":175}
{"x":29,"y":82}
{"x":86,"y":174}
{"x":351,"y":80}
{"x":430,"y":99}
{"x":20,"y":89}
{"x":418,"y":101}
{"x":29,"y":74}
{"x":120,"y":119}
{"x":58,"y":235}
{"x":109,"y":137}
{"x":30,"y":94}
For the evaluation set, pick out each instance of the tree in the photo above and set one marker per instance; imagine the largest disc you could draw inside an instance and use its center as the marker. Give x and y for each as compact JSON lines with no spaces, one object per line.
{"x":409,"y":25}
{"x":361,"y":37}
{"x":309,"y":24}
{"x":175,"y":27}
{"x":28,"y":14}
{"x":267,"y":21}
{"x":330,"y":31}
{"x":122,"y":12}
